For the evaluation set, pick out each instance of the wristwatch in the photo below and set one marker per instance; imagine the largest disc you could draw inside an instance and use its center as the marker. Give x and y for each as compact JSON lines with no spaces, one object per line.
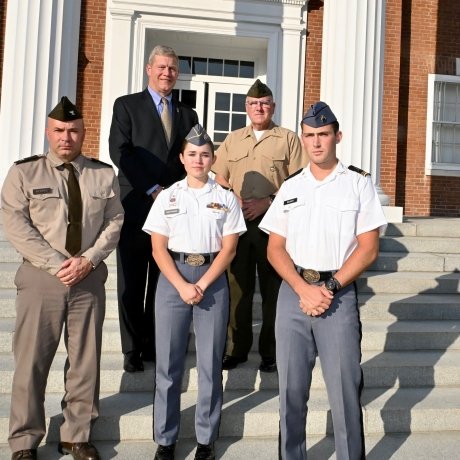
{"x":333,"y":285}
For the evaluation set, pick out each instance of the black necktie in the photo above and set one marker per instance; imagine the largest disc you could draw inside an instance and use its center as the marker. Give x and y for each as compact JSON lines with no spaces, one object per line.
{"x":73,"y":239}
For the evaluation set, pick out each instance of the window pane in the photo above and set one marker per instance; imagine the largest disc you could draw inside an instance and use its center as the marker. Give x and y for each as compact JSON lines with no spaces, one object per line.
{"x":215,"y":67}
{"x":185,"y":64}
{"x":246,"y":69}
{"x":221,"y":121}
{"x":219,"y":137}
{"x":239,"y":103}
{"x":222,"y":101}
{"x":238,"y":121}
{"x":200,"y":66}
{"x":231,"y":68}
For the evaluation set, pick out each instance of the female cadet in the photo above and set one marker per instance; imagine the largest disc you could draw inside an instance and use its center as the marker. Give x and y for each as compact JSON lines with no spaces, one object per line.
{"x":195,"y":225}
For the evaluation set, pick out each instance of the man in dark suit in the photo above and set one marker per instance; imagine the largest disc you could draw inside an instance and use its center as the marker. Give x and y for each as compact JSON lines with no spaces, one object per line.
{"x":146,"y":137}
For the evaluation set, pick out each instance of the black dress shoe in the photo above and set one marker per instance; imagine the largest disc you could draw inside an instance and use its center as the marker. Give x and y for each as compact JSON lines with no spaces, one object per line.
{"x":230,"y":362}
{"x":165,"y":452}
{"x":79,"y":450}
{"x":268,"y":365}
{"x":133,"y":362}
{"x":27,"y":454}
{"x":205,"y":452}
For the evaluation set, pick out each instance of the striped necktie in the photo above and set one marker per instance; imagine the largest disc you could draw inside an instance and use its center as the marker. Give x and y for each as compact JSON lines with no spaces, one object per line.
{"x":166,"y":118}
{"x":73,"y":239}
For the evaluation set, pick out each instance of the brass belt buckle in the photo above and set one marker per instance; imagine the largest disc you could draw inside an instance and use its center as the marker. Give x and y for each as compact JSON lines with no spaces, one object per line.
{"x":311,"y":276}
{"x":195,"y":260}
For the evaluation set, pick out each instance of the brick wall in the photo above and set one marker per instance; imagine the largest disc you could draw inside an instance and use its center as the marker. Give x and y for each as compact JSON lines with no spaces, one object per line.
{"x":422,"y":37}
{"x":445,"y":191}
{"x":90,"y":70}
{"x":312,"y":84}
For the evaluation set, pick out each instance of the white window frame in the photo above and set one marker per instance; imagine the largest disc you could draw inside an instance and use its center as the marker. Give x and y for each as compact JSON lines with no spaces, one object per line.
{"x":433,"y":168}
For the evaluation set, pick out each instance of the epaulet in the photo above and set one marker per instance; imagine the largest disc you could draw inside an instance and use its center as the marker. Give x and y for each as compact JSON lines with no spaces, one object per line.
{"x":358,"y":170}
{"x":26,"y":160}
{"x":107,"y":165}
{"x":294,"y":174}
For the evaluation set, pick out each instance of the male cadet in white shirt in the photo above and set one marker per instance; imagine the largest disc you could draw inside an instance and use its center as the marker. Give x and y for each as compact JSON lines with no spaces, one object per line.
{"x":324,"y":227}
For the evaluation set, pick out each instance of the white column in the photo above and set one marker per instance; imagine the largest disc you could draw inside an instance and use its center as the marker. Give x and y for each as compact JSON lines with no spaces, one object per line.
{"x":291,"y":66}
{"x":352,"y":79}
{"x":40,"y":65}
{"x":118,"y":67}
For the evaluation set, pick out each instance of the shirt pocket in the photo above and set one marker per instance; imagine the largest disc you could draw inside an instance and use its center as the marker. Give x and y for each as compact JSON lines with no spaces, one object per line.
{"x":293,"y":205}
{"x":45,"y":203}
{"x":342,"y":215}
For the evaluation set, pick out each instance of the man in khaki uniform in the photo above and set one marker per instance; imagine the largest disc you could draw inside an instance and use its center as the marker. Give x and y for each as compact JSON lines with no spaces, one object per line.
{"x":254,"y":161}
{"x":62,"y":213}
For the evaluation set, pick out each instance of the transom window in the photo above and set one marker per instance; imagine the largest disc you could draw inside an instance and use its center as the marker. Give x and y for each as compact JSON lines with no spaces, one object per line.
{"x":190,"y":65}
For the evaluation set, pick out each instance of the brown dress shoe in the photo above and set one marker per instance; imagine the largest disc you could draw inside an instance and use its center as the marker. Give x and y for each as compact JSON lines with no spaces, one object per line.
{"x":27,"y":454}
{"x":79,"y":450}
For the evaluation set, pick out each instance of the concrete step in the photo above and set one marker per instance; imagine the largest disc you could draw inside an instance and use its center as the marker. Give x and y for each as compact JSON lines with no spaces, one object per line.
{"x":392,"y":307}
{"x":420,"y":446}
{"x":381,"y":369}
{"x":414,"y":283}
{"x":388,"y":307}
{"x":426,"y":226}
{"x":377,"y":335}
{"x":416,"y":262}
{"x":8,"y":272}
{"x":128,"y":416}
{"x":433,"y":244}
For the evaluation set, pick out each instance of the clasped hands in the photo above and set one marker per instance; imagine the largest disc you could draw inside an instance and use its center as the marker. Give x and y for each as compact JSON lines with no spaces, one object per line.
{"x":73,"y":270}
{"x":191,"y":294}
{"x":315,"y":300}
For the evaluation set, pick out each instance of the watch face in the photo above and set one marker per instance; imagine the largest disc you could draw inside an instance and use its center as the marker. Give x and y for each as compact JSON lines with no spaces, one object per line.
{"x":330,"y":285}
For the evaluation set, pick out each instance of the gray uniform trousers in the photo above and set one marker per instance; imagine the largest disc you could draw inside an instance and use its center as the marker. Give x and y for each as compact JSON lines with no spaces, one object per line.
{"x":172,"y":325}
{"x":336,"y":338}
{"x":43,"y":306}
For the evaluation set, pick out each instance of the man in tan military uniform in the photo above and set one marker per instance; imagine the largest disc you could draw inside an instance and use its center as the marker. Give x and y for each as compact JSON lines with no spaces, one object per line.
{"x":61,"y":280}
{"x":254,"y":161}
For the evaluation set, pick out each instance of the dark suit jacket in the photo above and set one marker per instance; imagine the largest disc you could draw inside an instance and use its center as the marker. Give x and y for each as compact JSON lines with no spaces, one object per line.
{"x":138,"y":148}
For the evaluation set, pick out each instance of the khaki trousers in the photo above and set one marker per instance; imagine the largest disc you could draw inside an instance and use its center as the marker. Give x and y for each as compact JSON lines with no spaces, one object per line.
{"x":44,"y":306}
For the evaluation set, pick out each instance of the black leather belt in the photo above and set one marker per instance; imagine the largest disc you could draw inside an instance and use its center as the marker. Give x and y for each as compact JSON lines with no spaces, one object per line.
{"x":195,"y":260}
{"x":314,"y":276}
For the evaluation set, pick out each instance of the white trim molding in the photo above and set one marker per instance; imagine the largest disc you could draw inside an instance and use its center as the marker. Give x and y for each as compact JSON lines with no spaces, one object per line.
{"x":275,"y":28}
{"x":40,"y":66}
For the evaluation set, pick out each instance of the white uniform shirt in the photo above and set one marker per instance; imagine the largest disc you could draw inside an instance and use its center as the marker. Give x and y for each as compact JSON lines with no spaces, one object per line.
{"x":321,"y":219}
{"x":195,"y":221}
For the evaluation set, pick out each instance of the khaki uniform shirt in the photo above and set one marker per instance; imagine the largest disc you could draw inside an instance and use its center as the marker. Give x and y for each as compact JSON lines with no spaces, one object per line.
{"x":256,"y":169}
{"x":35,"y":210}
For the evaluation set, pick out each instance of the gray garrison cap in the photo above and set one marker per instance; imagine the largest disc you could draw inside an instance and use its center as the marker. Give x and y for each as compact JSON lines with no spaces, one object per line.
{"x":319,"y":114}
{"x":198,"y":136}
{"x":65,"y":111}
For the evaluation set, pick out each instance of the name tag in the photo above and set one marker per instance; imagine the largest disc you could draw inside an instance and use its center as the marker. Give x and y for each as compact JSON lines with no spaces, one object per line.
{"x":41,"y":191}
{"x":292,"y":200}
{"x":171,"y":211}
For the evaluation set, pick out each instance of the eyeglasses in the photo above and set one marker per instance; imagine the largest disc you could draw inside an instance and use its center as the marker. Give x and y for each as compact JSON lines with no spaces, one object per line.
{"x":254,"y":104}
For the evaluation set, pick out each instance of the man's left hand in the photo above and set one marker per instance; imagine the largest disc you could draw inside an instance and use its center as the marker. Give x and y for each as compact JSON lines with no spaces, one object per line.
{"x":73,"y":270}
{"x":255,"y":207}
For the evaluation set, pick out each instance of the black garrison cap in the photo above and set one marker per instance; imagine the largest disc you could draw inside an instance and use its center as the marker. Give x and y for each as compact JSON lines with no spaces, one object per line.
{"x":319,"y":114}
{"x":65,"y":111}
